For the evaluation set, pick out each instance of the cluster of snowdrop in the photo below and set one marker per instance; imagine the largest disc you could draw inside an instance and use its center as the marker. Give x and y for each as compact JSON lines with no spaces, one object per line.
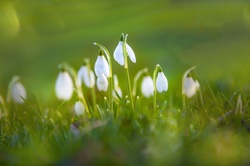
{"x":70,"y":81}
{"x":107,"y":81}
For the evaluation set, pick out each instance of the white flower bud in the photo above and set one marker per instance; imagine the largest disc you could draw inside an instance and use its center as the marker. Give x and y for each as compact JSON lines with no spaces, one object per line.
{"x":102,"y":83}
{"x":161,"y":82}
{"x":118,"y":53}
{"x":18,"y":92}
{"x":79,"y":108}
{"x":101,"y":66}
{"x":189,"y":86}
{"x":64,"y":86}
{"x":147,"y":87}
{"x":87,"y":77}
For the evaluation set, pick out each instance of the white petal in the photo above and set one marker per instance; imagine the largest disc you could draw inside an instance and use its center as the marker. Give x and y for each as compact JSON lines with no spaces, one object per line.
{"x":79,"y":108}
{"x":118,"y":54}
{"x":147,"y":87}
{"x":102,"y":83}
{"x":64,"y":86}
{"x":17,"y":92}
{"x":80,"y":74}
{"x":161,"y":82}
{"x":184,"y":77}
{"x":116,"y":84}
{"x":87,"y":78}
{"x":189,"y":87}
{"x":197,"y":84}
{"x":131,"y":53}
{"x":101,"y":66}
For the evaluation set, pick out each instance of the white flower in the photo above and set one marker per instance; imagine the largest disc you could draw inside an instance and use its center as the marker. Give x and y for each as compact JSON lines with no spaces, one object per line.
{"x":18,"y":92}
{"x":161,"y":82}
{"x":79,"y":108}
{"x":189,"y":86}
{"x":147,"y":87}
{"x":101,"y":66}
{"x":102,"y":83}
{"x":87,"y":77}
{"x":64,"y":86}
{"x":118,"y":53}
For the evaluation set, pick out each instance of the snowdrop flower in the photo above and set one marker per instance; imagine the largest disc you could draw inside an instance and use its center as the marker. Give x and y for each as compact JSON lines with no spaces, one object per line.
{"x":118,"y":53}
{"x":64,"y":86}
{"x":87,"y":76}
{"x":147,"y":87}
{"x":18,"y":92}
{"x":101,"y":65}
{"x":79,"y":108}
{"x":189,"y":86}
{"x":102,"y":83}
{"x":161,"y":82}
{"x":117,"y":89}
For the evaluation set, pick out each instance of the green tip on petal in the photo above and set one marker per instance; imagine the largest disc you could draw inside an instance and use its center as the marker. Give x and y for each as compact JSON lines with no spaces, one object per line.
{"x":122,"y":37}
{"x":101,"y":53}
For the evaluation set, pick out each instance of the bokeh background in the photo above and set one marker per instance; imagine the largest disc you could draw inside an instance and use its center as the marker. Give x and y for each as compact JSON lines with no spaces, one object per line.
{"x":37,"y":35}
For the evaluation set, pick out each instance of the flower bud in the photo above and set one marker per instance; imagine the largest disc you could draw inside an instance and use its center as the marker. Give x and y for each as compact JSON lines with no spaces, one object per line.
{"x":147,"y":87}
{"x":102,"y":83}
{"x":87,"y":76}
{"x":64,"y":86}
{"x":18,"y":92}
{"x":101,"y":66}
{"x":79,"y":108}
{"x":161,"y":82}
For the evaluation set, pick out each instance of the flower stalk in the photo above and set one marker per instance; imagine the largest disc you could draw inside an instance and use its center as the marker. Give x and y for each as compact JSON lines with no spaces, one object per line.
{"x":156,"y":70}
{"x":125,"y":55}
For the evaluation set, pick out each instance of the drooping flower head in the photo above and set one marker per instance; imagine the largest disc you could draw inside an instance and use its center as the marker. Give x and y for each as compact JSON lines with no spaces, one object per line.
{"x":64,"y":86}
{"x":87,"y":76}
{"x":102,"y":83}
{"x":118,"y":53}
{"x":161,"y":82}
{"x":79,"y":108}
{"x":147,"y":86}
{"x":101,"y":65}
{"x":189,"y":86}
{"x":17,"y":90}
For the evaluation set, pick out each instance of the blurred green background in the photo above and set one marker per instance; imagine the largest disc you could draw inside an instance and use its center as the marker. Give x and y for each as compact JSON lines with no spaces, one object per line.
{"x":37,"y":35}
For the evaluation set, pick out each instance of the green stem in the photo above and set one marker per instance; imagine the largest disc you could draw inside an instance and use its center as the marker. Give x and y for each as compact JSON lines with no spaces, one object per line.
{"x":87,"y":62}
{"x":125,"y":55}
{"x":110,"y":78}
{"x":184,"y":101}
{"x":137,"y":77}
{"x":3,"y":107}
{"x":156,"y":70}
